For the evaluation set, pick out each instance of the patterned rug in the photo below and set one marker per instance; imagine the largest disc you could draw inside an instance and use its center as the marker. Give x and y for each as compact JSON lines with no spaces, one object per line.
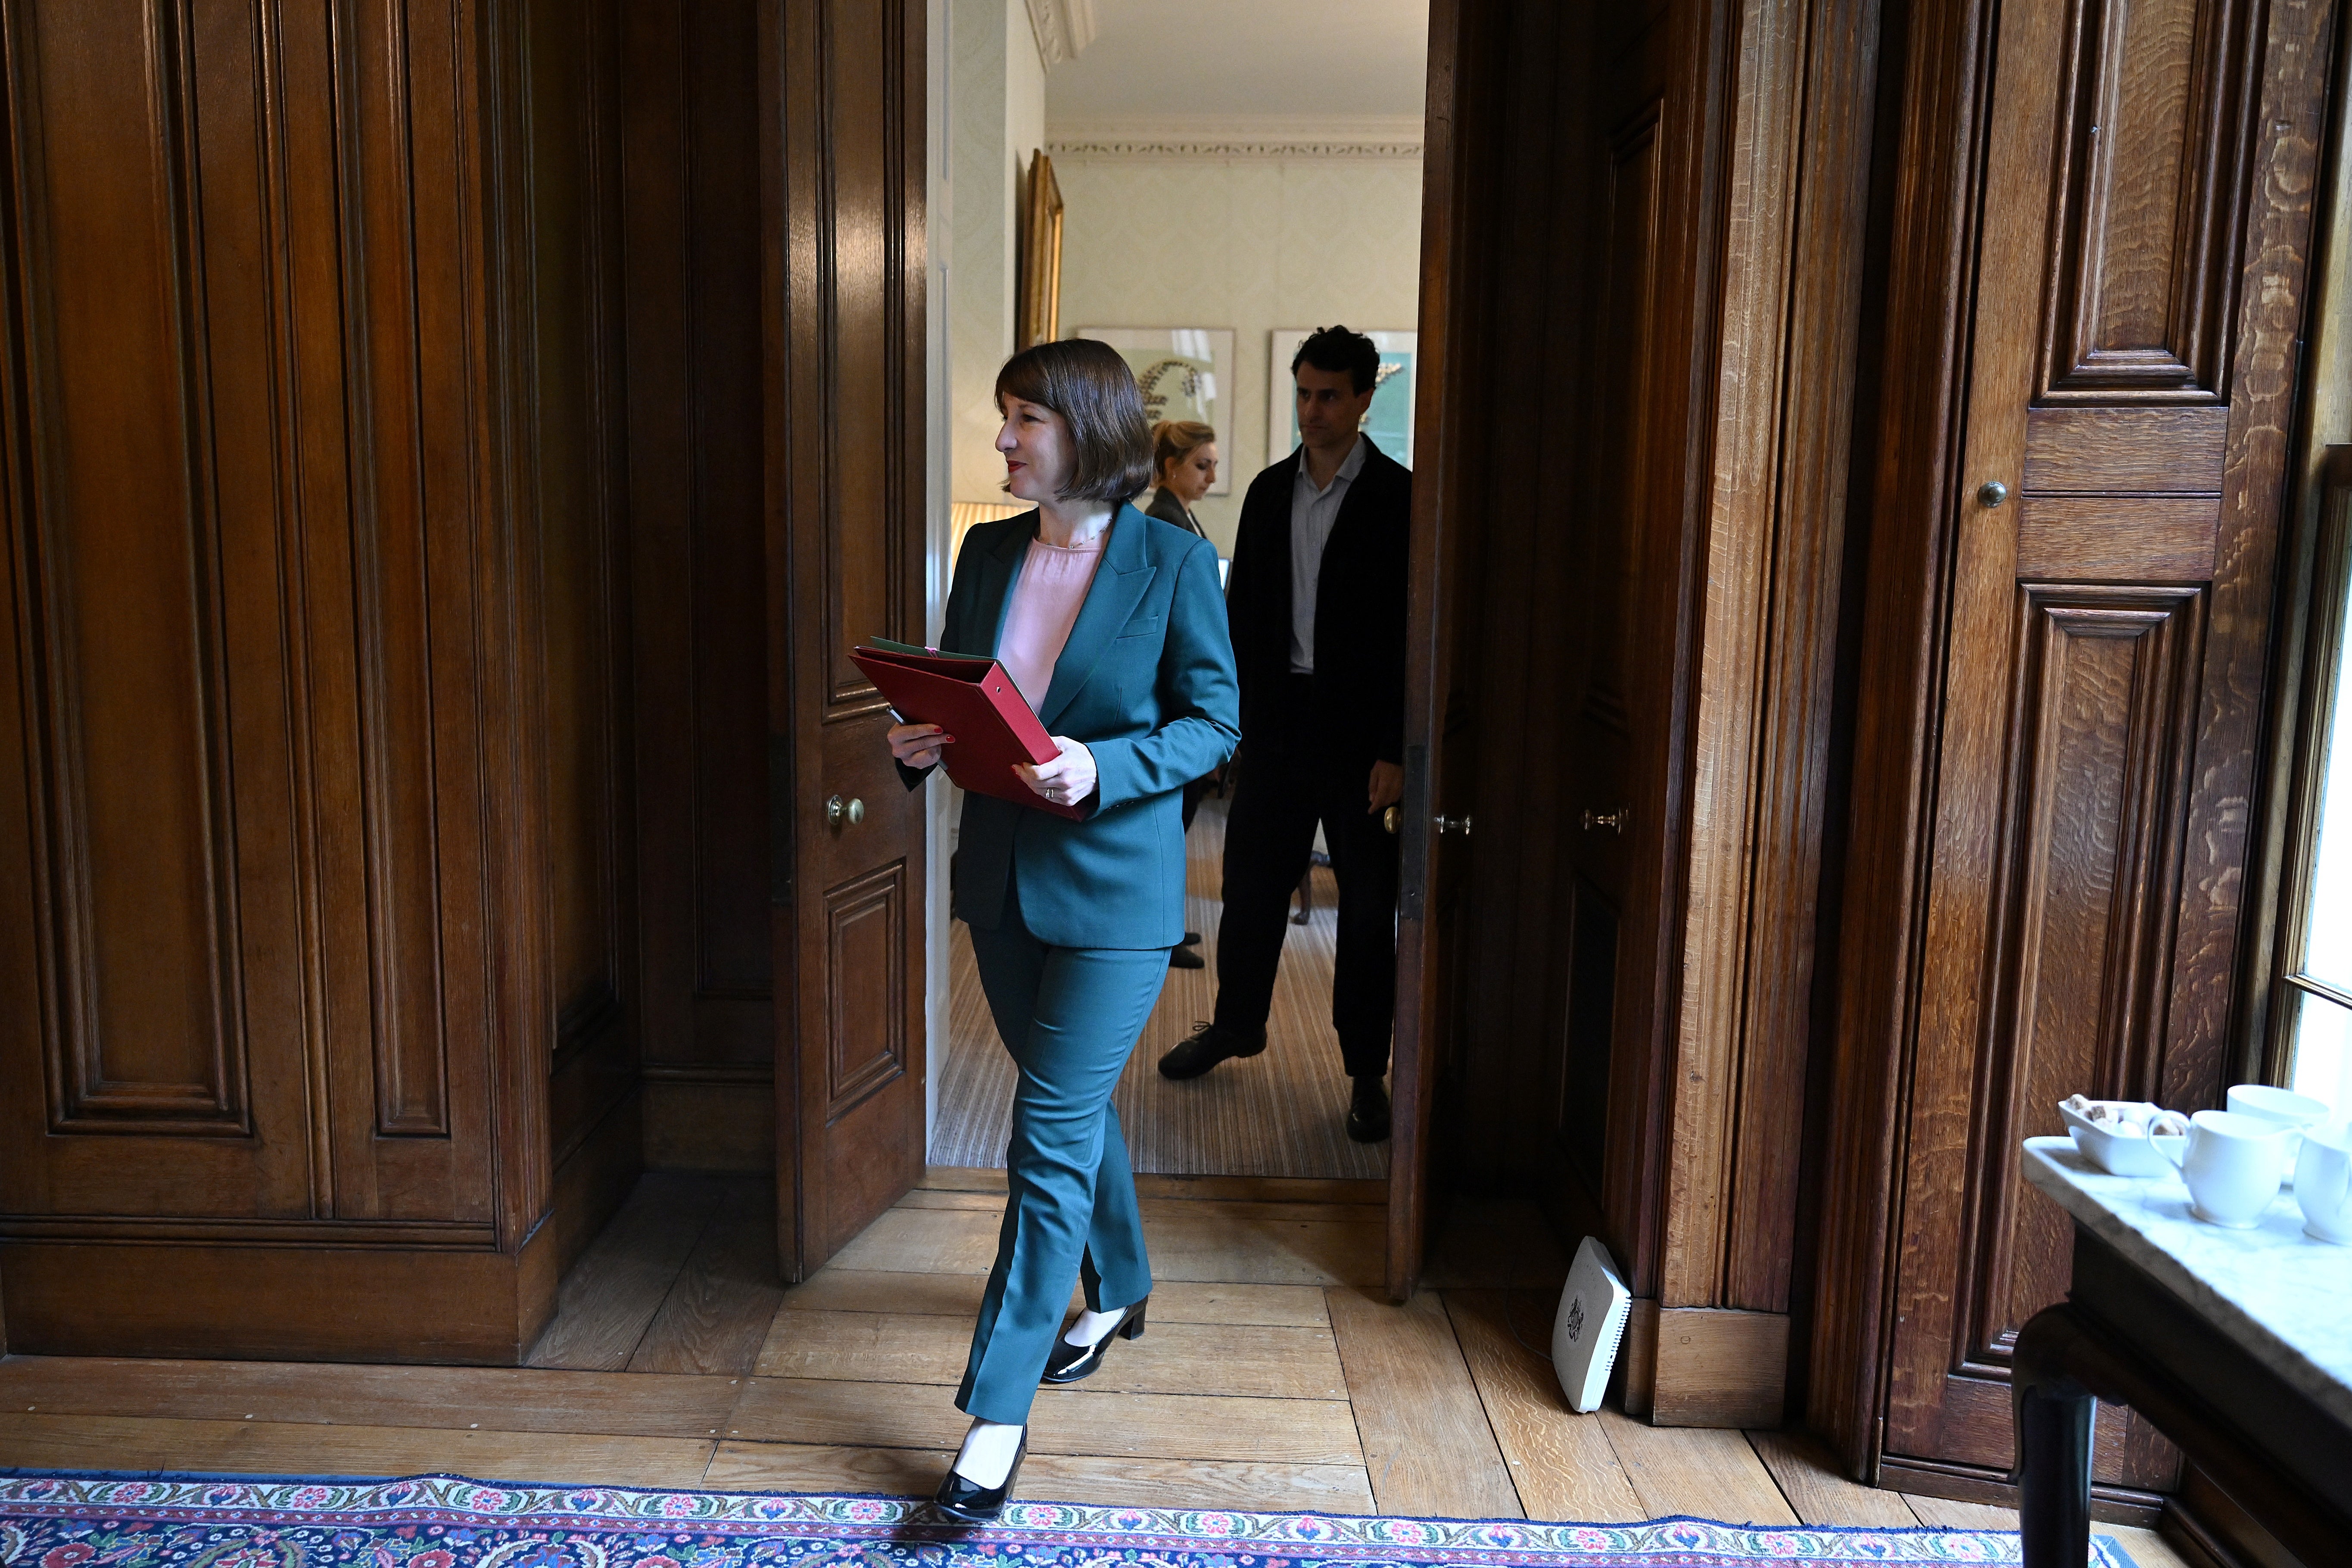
{"x":54,"y":1521}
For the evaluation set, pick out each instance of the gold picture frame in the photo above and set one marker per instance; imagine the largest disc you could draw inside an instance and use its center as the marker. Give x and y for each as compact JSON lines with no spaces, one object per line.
{"x":1039,"y":320}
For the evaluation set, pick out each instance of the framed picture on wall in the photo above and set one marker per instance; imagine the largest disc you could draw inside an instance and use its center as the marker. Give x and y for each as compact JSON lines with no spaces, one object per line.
{"x":1388,"y":421}
{"x":1183,"y":373}
{"x":1038,"y":319}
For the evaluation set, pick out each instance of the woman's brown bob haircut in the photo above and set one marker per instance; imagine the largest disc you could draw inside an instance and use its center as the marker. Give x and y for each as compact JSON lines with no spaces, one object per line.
{"x":1093,"y":390}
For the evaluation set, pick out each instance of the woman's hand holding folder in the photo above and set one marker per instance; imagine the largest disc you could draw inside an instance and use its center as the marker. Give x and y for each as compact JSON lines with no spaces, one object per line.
{"x":1068,"y":779}
{"x":919,"y":745}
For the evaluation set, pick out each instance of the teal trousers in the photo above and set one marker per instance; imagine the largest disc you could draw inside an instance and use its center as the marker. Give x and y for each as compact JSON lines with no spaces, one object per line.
{"x":1070,"y":1017}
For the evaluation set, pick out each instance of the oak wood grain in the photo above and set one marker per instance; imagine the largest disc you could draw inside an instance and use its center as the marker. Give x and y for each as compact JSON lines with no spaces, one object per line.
{"x":838,"y":1290}
{"x":718,"y":1310}
{"x":1170,"y":1358}
{"x":611,"y":1296}
{"x":512,"y":1399}
{"x":263,"y":1448}
{"x":2141,"y":451}
{"x":1184,"y":1244}
{"x":1148,"y":1185}
{"x":1063,"y":1421}
{"x":1427,"y":1443}
{"x":1708,"y":1473}
{"x":1560,"y":1462}
{"x":1806,"y":1476}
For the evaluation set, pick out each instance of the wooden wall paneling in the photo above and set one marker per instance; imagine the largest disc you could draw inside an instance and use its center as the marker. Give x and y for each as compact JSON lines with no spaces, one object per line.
{"x":274,"y":526}
{"x":1799,"y":103}
{"x":144,"y":602}
{"x":1934,"y":119}
{"x":2290,"y":90}
{"x":699,"y":590}
{"x":842,"y":88}
{"x":2090,"y":736}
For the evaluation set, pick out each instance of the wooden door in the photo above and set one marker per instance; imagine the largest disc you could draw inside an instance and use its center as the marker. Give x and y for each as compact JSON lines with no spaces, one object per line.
{"x":2127,"y":376}
{"x":843,"y":220}
{"x":1436,"y":710}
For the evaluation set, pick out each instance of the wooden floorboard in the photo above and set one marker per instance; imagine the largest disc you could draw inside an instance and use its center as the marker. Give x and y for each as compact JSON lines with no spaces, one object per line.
{"x":1427,"y":1444}
{"x":1157,"y":1211}
{"x":718,"y":1311}
{"x":1560,"y":1462}
{"x":1248,"y":1189}
{"x":277,"y":1448}
{"x":1254,"y":1362}
{"x":837,"y":1290}
{"x":1064,"y":1421}
{"x":1049,"y":1478}
{"x":1272,"y":1376}
{"x":1806,"y":1475}
{"x":1184,"y":1246}
{"x":608,"y":1299}
{"x":508,"y":1398}
{"x":1705,"y":1473}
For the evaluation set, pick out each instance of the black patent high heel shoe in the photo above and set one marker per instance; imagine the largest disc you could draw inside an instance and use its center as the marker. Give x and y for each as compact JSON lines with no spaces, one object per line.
{"x":1069,"y":1362}
{"x":968,"y":1503}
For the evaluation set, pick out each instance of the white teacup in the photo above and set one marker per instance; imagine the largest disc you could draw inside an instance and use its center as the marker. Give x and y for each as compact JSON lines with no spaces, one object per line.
{"x":2289,"y":1109}
{"x":2231,"y":1162}
{"x":2323,"y":1183}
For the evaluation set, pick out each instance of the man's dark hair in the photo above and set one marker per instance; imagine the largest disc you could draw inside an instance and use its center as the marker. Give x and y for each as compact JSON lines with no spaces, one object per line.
{"x":1091,"y":387}
{"x":1338,"y":349}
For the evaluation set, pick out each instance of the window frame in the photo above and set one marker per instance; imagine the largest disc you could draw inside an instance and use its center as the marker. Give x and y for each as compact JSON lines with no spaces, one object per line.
{"x":2322,"y":668}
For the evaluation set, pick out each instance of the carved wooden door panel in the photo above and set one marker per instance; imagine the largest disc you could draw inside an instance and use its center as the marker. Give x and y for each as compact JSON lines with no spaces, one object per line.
{"x":843,"y":219}
{"x":2139,"y":267}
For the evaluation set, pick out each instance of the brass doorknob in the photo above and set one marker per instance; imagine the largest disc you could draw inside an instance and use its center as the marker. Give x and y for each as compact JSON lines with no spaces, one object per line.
{"x":1614,"y":821}
{"x":838,"y":812}
{"x":1991,"y":493}
{"x":1452,"y":825}
{"x":1389,"y":819}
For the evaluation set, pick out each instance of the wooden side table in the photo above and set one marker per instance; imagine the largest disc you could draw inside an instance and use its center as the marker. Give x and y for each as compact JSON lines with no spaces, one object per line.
{"x":2236,"y":1345}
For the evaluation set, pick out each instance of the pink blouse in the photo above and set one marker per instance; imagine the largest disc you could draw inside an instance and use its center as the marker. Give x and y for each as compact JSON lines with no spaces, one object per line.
{"x":1046,"y":596}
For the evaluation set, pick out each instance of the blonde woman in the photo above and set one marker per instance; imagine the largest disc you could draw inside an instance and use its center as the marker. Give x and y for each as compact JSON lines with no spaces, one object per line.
{"x":1184,"y":464}
{"x":1184,"y":467}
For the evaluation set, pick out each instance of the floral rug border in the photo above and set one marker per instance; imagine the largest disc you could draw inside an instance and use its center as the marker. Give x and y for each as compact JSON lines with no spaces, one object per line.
{"x":1235,"y":1535}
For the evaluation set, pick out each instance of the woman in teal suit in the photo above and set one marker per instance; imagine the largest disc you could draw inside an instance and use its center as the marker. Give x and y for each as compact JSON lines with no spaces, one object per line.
{"x":1112,"y":624}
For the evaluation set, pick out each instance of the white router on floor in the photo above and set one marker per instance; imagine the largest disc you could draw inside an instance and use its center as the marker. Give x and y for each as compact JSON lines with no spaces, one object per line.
{"x":1593,"y":1307}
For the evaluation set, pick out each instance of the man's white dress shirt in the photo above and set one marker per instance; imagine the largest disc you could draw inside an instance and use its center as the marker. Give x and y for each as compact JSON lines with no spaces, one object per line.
{"x":1312,"y":513}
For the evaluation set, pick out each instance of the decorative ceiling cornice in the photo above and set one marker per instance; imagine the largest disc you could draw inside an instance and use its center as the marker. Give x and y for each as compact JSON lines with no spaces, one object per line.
{"x":1384,"y":137}
{"x":1063,"y":28}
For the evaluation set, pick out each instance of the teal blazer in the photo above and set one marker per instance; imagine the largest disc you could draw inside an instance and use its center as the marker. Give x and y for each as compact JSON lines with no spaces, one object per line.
{"x":1147,"y":682}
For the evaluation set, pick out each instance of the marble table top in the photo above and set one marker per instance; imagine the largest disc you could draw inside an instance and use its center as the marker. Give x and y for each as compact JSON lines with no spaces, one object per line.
{"x":2286,"y":1298}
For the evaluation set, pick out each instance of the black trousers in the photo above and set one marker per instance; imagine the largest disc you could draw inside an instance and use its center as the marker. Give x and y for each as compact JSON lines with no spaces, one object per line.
{"x":1291,"y":777}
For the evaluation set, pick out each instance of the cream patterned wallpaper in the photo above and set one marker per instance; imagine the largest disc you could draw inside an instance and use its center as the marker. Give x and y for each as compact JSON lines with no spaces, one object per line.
{"x":996,"y":103}
{"x":1250,"y":242}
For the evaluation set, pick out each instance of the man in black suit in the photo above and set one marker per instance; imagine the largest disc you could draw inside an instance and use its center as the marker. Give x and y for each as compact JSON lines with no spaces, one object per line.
{"x":1316,"y":604}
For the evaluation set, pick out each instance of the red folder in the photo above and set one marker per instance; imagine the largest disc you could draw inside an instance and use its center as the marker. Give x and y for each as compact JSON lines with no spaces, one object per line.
{"x":973,"y":700}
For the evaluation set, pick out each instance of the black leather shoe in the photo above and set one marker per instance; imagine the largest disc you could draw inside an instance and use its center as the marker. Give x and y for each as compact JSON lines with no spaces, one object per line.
{"x":1069,"y":1362}
{"x":966,"y":1503}
{"x":1205,"y":1047}
{"x":1367,"y":1111}
{"x":1186,"y":958}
